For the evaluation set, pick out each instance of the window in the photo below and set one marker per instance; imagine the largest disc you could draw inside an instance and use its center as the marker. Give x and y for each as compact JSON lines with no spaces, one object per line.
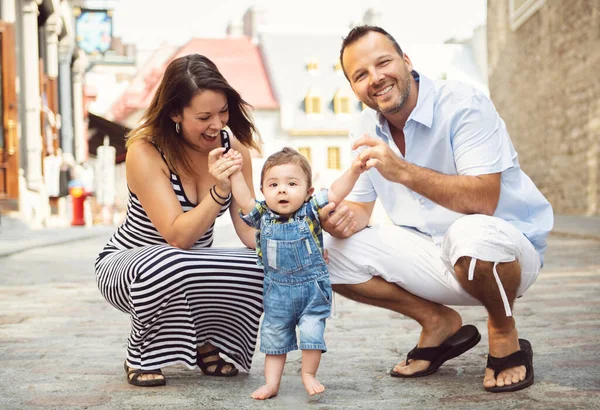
{"x":341,"y":102}
{"x":306,"y":152}
{"x":333,"y":158}
{"x":312,"y":65}
{"x":312,"y":102}
{"x":346,"y":104}
{"x":521,"y":10}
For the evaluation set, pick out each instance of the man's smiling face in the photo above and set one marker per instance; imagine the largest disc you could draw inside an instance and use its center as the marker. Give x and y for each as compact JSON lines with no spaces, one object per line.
{"x":379,"y":76}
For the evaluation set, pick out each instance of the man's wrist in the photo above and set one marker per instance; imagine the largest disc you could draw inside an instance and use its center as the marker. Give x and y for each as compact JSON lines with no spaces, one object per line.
{"x":403,"y":173}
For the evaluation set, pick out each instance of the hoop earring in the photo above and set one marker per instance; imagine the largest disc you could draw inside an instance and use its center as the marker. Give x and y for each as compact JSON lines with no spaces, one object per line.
{"x":177,"y":128}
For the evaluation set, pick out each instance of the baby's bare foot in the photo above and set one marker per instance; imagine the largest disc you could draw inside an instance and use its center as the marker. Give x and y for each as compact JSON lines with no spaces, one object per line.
{"x":311,"y":384}
{"x":265,"y":392}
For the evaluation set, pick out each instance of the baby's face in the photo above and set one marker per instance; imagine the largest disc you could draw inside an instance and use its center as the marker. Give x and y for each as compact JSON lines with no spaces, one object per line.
{"x":285,"y":188}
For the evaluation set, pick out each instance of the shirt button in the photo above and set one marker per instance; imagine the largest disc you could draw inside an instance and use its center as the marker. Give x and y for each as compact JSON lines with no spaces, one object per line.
{"x":433,"y":231}
{"x":422,"y":201}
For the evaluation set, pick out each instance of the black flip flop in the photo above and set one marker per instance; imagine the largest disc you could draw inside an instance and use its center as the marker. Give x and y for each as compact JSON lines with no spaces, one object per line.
{"x":466,"y":338}
{"x":523,"y":357}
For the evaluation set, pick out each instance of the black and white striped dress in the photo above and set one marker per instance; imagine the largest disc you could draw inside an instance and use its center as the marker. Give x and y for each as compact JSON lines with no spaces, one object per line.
{"x":180,"y":299}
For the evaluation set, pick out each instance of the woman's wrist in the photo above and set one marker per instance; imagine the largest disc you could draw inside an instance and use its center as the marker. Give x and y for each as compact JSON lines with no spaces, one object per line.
{"x":220,"y":192}
{"x":216,"y":197}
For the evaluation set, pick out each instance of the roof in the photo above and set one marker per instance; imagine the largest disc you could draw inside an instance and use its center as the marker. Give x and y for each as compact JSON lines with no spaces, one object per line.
{"x":240,"y":62}
{"x":238,"y":59}
{"x":141,"y":85}
{"x":98,"y":128}
{"x":451,"y":61}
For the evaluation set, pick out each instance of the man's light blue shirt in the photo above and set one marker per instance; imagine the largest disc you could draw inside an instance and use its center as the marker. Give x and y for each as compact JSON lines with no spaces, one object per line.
{"x":455,"y":130}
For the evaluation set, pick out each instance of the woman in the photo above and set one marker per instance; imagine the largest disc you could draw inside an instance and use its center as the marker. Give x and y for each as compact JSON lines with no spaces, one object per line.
{"x":188,"y":302}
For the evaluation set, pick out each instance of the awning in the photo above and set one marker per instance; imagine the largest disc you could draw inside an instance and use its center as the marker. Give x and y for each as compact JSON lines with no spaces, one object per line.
{"x":99,"y":127}
{"x":45,"y":10}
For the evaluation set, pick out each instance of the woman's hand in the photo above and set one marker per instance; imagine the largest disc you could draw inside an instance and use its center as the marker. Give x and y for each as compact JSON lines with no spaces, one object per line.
{"x":221,"y":167}
{"x":235,"y":156}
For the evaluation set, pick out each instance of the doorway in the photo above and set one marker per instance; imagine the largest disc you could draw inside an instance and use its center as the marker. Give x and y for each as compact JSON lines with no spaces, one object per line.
{"x":9,"y":143}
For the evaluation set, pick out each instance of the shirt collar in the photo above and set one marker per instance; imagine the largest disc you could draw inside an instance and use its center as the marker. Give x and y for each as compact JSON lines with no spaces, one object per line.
{"x":423,"y":111}
{"x":278,"y":217}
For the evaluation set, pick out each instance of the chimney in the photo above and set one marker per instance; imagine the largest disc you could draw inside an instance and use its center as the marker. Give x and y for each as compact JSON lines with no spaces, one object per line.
{"x":253,"y":19}
{"x":235,"y":29}
{"x":372,"y":17}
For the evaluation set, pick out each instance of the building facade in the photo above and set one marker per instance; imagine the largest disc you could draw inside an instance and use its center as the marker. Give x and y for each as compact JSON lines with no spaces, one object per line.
{"x":545,"y":82}
{"x":44,"y":98}
{"x":38,"y":68}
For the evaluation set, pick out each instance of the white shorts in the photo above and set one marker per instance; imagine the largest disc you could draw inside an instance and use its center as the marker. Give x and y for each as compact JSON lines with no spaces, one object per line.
{"x":412,"y":261}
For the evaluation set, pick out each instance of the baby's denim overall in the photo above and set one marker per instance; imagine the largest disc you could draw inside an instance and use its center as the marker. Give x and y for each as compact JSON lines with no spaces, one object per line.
{"x":296,"y":291}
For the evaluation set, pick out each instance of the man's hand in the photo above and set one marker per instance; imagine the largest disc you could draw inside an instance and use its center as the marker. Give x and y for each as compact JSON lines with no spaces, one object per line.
{"x":338,"y":222}
{"x":377,"y":154}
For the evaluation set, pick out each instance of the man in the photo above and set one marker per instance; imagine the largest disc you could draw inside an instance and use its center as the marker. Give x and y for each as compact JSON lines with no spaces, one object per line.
{"x":469,"y":227}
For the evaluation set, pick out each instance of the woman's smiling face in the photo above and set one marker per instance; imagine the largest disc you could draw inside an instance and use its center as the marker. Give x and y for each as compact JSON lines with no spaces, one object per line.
{"x":203,"y":119}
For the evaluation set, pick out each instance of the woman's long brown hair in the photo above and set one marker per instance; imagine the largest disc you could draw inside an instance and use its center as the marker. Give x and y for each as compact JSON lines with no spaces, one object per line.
{"x":183,"y":79}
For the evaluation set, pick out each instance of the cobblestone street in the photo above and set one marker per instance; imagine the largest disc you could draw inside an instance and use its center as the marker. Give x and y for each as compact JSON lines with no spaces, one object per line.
{"x":62,"y":346}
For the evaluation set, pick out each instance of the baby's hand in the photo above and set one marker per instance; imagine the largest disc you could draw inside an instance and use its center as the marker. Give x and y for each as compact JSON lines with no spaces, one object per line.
{"x":234,"y":156}
{"x":358,"y":167}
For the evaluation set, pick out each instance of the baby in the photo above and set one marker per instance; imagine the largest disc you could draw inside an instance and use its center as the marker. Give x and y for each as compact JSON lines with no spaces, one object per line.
{"x":289,"y":244}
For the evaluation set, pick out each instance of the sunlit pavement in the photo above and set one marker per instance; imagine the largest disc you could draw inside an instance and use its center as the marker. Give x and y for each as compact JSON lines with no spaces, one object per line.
{"x":62,"y":345}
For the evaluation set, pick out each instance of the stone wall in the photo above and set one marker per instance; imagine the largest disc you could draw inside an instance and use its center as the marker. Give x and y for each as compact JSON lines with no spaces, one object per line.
{"x":544,"y":78}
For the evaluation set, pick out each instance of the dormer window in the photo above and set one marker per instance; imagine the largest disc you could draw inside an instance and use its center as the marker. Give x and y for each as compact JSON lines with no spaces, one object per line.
{"x":312,"y":102}
{"x":312,"y":66}
{"x":341,"y":102}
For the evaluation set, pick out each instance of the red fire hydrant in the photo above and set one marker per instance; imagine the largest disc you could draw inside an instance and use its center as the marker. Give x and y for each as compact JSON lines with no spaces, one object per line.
{"x":78,"y":196}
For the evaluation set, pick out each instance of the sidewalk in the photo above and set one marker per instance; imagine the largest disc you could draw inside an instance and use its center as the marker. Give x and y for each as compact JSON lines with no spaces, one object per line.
{"x":583,"y":227}
{"x":16,"y":236}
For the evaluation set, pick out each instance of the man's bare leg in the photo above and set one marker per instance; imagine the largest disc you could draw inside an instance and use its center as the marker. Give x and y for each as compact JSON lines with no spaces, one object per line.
{"x":438,"y":322}
{"x":274,"y":364}
{"x":503,"y":335}
{"x":310,"y":365}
